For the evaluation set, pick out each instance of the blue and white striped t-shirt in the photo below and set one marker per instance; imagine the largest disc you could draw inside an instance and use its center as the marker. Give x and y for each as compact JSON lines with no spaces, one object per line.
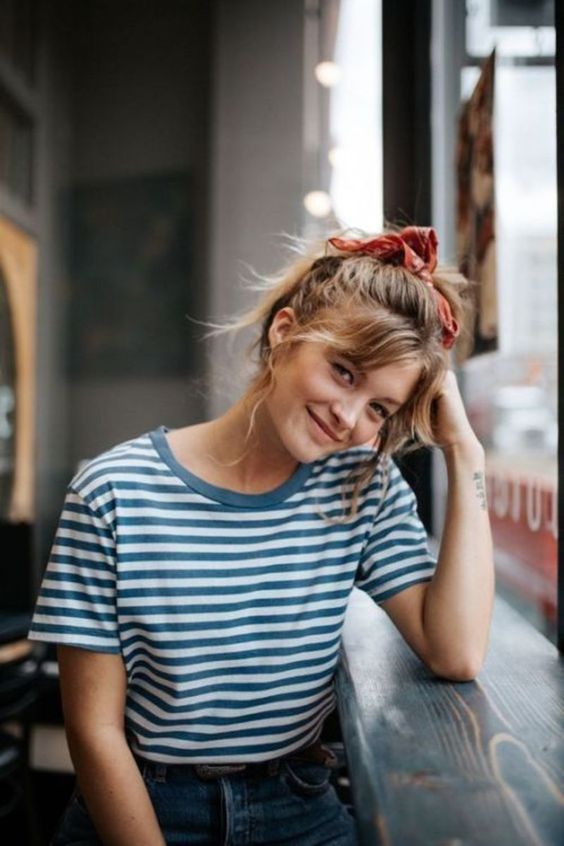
{"x":226,"y":607}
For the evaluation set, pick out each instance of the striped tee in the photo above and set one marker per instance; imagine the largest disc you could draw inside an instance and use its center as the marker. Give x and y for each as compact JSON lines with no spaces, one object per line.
{"x":227,"y":608}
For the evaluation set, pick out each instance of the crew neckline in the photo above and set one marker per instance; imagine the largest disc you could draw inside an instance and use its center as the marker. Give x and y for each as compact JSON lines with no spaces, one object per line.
{"x":225,"y":495}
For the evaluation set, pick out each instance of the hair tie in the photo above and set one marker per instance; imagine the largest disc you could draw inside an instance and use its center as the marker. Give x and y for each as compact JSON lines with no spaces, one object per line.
{"x":415,"y":249}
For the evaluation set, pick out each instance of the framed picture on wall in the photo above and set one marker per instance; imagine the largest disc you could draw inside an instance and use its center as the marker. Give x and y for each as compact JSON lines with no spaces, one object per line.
{"x":18,"y":269}
{"x":475,"y":224}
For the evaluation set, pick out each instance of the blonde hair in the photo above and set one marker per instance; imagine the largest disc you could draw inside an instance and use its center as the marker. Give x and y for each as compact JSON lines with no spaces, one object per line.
{"x":371,"y":312}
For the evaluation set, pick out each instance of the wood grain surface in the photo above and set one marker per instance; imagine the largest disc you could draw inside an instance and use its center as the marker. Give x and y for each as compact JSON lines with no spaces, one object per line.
{"x":443,"y":763}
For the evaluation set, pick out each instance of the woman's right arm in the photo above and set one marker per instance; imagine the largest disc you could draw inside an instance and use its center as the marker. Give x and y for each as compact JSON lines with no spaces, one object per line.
{"x":93,"y":688}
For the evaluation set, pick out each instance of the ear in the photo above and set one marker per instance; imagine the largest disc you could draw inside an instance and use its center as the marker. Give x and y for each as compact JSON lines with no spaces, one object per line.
{"x":282,"y":322}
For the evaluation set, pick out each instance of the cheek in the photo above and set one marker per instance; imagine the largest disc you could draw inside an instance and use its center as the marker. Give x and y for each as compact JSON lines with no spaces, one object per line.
{"x":288,"y":399}
{"x":309,"y":387}
{"x":367,"y":431}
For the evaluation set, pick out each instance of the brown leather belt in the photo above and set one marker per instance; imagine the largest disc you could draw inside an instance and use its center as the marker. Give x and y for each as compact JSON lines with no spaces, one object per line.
{"x":316,"y":753}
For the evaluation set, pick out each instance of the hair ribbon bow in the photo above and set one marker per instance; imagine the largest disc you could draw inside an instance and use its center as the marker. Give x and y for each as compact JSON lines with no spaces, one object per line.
{"x":415,"y":249}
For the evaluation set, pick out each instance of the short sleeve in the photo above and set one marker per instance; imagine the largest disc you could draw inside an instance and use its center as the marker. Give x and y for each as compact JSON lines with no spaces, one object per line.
{"x":76,"y":604}
{"x":396,"y":554}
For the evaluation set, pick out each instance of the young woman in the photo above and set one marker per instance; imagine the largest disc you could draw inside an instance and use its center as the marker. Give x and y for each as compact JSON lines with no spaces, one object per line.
{"x":199,"y":577}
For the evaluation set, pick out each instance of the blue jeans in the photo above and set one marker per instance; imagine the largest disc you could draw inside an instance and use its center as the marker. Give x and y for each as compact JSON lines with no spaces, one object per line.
{"x":298,"y":807}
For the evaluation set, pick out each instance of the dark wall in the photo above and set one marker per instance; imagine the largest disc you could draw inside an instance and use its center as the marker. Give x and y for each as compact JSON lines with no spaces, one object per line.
{"x":122,"y":148}
{"x":139,"y":230}
{"x":406,"y":101}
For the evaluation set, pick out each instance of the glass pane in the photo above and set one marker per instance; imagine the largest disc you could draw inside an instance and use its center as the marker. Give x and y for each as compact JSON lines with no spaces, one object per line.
{"x":521,"y":29}
{"x":511,"y":395}
{"x":356,"y":117}
{"x":343,"y":116}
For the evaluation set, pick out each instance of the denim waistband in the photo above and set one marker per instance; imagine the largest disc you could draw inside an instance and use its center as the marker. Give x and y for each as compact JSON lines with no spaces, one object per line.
{"x":316,"y":753}
{"x":159,"y":772}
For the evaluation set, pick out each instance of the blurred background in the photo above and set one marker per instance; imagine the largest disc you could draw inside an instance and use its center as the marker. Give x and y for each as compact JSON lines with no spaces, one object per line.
{"x":153,"y":156}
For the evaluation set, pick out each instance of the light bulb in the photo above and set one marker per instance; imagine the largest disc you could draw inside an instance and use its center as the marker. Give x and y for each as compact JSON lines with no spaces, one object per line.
{"x":327,"y":73}
{"x":318,"y":203}
{"x":336,"y":156}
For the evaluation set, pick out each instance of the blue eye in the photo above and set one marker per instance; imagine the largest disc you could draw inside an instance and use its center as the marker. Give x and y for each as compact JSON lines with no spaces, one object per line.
{"x":348,"y":376}
{"x":342,"y":371}
{"x":381,"y":410}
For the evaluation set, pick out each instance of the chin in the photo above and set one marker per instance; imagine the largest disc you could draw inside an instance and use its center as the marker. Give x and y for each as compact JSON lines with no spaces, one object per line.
{"x":298,"y":448}
{"x":298,"y":443}
{"x":302,"y":453}
{"x":306,"y":452}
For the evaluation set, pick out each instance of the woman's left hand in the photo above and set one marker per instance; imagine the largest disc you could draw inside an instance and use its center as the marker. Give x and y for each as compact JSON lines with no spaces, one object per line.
{"x":451,"y":426}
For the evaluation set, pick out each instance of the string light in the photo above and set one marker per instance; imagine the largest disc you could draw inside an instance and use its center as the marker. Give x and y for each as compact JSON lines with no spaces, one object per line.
{"x":336,"y":156}
{"x":327,"y":74}
{"x":318,"y":203}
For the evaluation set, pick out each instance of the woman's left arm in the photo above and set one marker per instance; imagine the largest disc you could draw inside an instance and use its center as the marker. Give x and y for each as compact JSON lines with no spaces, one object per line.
{"x":459,"y":599}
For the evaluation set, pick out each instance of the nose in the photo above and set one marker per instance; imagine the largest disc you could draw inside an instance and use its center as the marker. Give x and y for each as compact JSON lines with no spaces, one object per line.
{"x":345,"y":416}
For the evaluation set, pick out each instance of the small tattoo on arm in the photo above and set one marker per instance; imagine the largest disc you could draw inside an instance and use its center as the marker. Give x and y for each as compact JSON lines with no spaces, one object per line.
{"x":480,"y":489}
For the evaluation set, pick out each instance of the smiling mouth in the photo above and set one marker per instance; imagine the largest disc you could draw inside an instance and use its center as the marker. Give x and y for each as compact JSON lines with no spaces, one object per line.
{"x":323,"y":427}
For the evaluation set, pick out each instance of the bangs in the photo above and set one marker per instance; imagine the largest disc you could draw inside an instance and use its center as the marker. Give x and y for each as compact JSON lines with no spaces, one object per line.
{"x":368,"y":340}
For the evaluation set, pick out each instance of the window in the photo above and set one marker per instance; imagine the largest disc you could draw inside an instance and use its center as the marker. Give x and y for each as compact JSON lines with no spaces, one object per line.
{"x":511,"y":394}
{"x":343,"y":116}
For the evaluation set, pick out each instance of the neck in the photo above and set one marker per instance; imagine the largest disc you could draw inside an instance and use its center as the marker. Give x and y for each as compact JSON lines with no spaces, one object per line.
{"x":253,"y":456}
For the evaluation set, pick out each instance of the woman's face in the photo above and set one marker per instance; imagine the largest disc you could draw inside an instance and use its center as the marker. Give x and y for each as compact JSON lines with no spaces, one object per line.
{"x":322,"y":403}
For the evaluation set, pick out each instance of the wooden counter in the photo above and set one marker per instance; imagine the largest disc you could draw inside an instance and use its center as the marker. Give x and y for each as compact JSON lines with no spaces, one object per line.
{"x":436,"y":762}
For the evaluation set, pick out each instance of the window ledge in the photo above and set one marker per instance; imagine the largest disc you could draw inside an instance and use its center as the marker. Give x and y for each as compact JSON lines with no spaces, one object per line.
{"x":437,"y":761}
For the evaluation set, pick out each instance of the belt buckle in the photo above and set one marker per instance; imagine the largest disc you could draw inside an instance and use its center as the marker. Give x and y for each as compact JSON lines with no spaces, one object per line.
{"x":318,"y":753}
{"x":211,"y":771}
{"x":273,"y":766}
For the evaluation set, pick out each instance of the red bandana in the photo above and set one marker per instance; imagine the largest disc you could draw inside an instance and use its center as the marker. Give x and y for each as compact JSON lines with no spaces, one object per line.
{"x":414,"y":248}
